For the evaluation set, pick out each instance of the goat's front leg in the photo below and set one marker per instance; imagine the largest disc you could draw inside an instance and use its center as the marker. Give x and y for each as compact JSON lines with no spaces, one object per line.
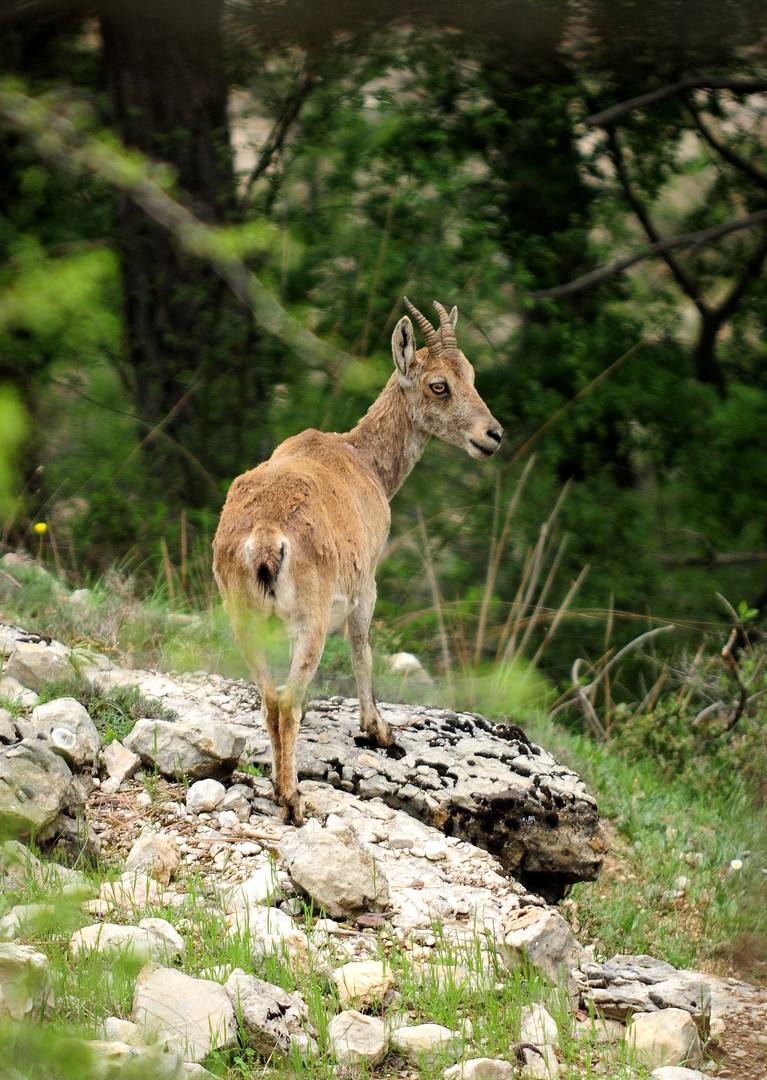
{"x":371,"y":721}
{"x":306,"y":654}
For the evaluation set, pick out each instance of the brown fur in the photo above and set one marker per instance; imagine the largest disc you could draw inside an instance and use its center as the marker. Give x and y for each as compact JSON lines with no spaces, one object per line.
{"x":300,"y":536}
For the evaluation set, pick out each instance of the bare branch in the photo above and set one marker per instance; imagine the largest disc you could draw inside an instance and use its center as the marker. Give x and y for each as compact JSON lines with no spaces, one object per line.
{"x":751,"y":270}
{"x":701,"y":238}
{"x":682,"y":278}
{"x":724,"y":151}
{"x":282,"y":125}
{"x":64,"y":145}
{"x":715,"y":558}
{"x":700,"y":82}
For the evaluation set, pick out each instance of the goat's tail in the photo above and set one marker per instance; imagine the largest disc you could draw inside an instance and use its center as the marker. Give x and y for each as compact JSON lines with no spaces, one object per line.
{"x":264,"y":553}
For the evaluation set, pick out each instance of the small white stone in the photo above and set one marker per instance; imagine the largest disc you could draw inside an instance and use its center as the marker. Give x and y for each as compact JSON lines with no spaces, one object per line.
{"x":665,"y":1037}
{"x":537,"y":1026}
{"x":204,"y":796}
{"x":481,"y":1069}
{"x":227,"y":819}
{"x":356,"y":1038}
{"x":363,"y":983}
{"x":435,"y":850}
{"x":542,"y":1064}
{"x":424,"y":1042}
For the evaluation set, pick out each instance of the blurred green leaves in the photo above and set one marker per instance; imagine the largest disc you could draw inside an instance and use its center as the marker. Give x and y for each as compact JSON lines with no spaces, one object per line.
{"x":13,"y":426}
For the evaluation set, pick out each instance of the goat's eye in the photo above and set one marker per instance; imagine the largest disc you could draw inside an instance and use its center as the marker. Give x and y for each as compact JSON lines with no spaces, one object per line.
{"x":439,"y":388}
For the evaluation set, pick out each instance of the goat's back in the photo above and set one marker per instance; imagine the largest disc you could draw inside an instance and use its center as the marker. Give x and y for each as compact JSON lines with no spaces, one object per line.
{"x":318,"y":493}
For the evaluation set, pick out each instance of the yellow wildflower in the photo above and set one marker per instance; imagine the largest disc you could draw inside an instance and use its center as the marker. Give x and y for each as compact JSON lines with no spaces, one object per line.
{"x":40,"y":528}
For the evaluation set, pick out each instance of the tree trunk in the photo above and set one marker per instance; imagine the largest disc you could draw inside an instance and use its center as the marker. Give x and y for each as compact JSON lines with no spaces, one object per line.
{"x":707,"y":367}
{"x":189,"y":353}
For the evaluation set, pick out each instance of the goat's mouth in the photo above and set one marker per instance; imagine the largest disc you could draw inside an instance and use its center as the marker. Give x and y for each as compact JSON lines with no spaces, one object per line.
{"x":482,"y":451}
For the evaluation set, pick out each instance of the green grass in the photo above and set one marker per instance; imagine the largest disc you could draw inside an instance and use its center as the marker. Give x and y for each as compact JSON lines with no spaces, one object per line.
{"x":657,"y":822}
{"x":669,"y":816}
{"x":479,"y":996}
{"x":114,"y":712}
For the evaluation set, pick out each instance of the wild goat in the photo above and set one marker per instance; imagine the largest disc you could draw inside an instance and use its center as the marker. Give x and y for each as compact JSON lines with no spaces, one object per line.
{"x":300,"y":536}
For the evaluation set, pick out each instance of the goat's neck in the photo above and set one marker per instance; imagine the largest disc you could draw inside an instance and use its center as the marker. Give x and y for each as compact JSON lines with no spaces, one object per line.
{"x":387,"y":439}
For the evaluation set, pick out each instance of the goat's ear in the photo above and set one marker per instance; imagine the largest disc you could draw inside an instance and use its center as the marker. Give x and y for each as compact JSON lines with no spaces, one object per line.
{"x":403,"y":349}
{"x":454,"y":317}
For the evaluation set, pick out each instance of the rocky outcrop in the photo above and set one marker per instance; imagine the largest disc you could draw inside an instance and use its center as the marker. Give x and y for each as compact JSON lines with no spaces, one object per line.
{"x":186,"y":747}
{"x":338,"y":872}
{"x":35,"y":787}
{"x":471,"y":779}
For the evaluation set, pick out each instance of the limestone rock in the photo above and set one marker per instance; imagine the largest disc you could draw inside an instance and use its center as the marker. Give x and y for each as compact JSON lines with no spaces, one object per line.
{"x":34,"y":663}
{"x":485,"y":783}
{"x":115,"y":1029}
{"x":104,"y":1060}
{"x":196,"y":1014}
{"x":273,"y":1018}
{"x":541,"y":1064}
{"x":120,"y":762}
{"x":131,"y":891}
{"x":357,"y":1039}
{"x":68,"y":714}
{"x":261,"y":887}
{"x":18,"y":865}
{"x":143,"y":943}
{"x":25,"y":983}
{"x":238,"y":801}
{"x":666,"y":1037}
{"x":186,"y":747}
{"x":672,"y":1072}
{"x":408,"y":665}
{"x":544,"y":939}
{"x":14,"y":691}
{"x":335,"y":869}
{"x":599,"y":1030}
{"x":204,"y":796}
{"x":362,"y":983}
{"x":625,"y":985}
{"x":426,"y":1042}
{"x":537,"y":1026}
{"x":35,"y":786}
{"x":22,"y":918}
{"x":481,"y":1069}
{"x":7,"y":727}
{"x":154,"y":854}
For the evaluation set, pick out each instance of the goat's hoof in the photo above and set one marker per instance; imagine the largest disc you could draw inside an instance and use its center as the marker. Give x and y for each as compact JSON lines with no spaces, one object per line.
{"x":378,"y":729}
{"x":292,"y":809}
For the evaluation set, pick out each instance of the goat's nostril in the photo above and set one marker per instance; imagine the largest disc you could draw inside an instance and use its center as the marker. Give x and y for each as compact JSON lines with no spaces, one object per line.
{"x":494,"y":433}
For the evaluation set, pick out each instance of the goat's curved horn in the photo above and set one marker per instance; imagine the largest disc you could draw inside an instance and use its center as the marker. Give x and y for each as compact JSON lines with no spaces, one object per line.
{"x":430,"y":335}
{"x":446,"y":328}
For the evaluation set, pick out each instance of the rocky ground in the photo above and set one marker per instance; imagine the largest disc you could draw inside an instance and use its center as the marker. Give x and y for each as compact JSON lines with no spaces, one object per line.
{"x":407,"y":929}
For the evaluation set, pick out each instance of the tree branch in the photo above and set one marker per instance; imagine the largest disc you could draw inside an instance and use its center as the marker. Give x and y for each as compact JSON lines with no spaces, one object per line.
{"x":701,"y":238}
{"x":63,"y":144}
{"x":700,"y":82}
{"x":715,"y":558}
{"x":722,"y":149}
{"x":751,"y":270}
{"x":282,"y":125}
{"x":682,"y":278}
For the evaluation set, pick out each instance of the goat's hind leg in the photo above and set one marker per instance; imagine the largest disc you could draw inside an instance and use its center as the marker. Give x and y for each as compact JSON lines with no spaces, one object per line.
{"x":371,"y":721}
{"x":250,"y":631}
{"x":309,"y":641}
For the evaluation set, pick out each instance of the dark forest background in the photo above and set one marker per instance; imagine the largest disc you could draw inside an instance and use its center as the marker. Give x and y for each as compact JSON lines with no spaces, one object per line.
{"x":209,"y":214}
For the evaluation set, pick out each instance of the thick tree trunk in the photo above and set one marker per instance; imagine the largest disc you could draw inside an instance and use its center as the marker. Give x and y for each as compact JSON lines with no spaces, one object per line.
{"x":188,"y":360}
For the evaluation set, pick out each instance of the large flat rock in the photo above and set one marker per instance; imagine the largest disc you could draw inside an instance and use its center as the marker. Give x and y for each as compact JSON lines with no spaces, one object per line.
{"x":469,"y":778}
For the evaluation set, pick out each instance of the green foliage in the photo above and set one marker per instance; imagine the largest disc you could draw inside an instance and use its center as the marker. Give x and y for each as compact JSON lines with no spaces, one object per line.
{"x":114,"y":712}
{"x":12,"y":431}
